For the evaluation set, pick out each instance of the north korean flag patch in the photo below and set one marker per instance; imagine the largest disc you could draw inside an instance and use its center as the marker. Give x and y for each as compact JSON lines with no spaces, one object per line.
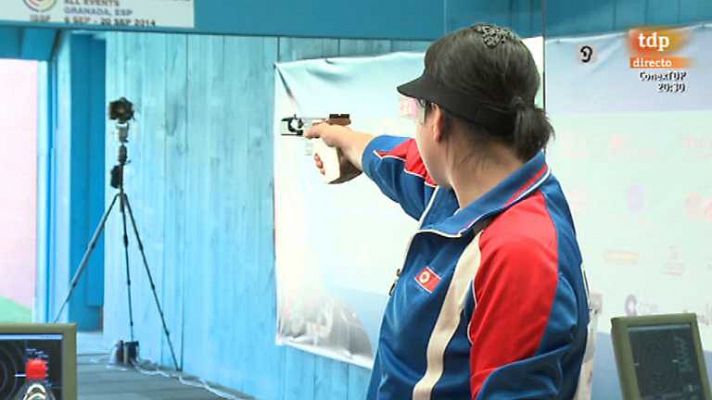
{"x":427,"y":279}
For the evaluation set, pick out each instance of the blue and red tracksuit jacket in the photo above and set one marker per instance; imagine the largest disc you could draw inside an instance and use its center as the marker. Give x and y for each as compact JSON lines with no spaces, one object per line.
{"x":491,"y":302}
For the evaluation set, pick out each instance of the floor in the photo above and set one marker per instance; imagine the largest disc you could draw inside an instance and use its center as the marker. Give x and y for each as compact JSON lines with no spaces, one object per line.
{"x":97,"y":380}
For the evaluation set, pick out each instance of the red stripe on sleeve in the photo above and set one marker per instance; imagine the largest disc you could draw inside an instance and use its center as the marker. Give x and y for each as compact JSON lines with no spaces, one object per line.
{"x":408,"y":152}
{"x":515,"y":288}
{"x":529,"y":184}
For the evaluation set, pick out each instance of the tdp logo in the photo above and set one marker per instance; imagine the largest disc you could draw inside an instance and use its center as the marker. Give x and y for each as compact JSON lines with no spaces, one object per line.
{"x":653,"y":41}
{"x":652,"y":48}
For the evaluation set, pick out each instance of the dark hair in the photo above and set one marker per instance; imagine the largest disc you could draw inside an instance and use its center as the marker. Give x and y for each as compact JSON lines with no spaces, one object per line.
{"x":496,"y":64}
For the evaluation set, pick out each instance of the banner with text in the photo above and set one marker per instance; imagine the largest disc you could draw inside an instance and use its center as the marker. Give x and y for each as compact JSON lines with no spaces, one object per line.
{"x":109,"y":13}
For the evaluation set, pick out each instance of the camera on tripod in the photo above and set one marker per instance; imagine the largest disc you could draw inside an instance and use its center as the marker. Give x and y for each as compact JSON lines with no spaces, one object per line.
{"x":122,"y":112}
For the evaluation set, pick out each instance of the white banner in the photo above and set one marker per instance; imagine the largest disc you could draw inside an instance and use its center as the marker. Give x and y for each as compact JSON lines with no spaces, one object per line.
{"x":109,"y":13}
{"x":337,"y":246}
{"x":633,"y":152}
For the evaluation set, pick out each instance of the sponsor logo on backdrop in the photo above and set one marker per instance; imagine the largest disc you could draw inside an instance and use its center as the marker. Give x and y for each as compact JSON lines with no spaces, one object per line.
{"x":40,"y":5}
{"x":621,"y":257}
{"x":635,"y":307}
{"x":636,"y":198}
{"x":617,"y":144}
{"x":674,"y":265}
{"x":698,"y":145}
{"x":698,"y":208}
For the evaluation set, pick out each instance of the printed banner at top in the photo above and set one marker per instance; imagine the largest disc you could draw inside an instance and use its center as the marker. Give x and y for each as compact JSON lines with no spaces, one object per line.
{"x":109,"y":13}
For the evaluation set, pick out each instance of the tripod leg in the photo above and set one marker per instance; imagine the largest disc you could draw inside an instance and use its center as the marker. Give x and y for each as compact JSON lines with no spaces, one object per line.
{"x":122,"y":205}
{"x":153,"y":286}
{"x":85,"y":258}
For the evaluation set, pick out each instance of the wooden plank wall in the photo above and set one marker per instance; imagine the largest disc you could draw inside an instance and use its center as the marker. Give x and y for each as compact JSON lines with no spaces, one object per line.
{"x":200,"y":183}
{"x":60,"y":184}
{"x":565,"y":17}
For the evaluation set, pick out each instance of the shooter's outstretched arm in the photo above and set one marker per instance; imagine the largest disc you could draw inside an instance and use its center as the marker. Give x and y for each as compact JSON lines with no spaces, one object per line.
{"x":351,"y":143}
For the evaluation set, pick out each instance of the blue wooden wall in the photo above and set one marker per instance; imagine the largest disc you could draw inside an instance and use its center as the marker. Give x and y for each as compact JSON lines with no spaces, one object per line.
{"x":27,"y":43}
{"x":200,"y":183}
{"x":74,"y":174}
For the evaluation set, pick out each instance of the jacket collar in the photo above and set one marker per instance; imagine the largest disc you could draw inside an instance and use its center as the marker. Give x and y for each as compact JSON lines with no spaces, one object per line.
{"x":517,"y":186}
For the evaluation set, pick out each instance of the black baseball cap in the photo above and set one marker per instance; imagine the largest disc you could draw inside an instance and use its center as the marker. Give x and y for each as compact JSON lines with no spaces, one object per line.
{"x":469,"y":106}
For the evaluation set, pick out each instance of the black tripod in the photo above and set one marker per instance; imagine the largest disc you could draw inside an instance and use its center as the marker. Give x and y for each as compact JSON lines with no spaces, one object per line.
{"x":121,"y":110}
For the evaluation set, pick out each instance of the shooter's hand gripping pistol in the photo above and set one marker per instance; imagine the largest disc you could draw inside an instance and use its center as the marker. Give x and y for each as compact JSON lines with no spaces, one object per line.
{"x":337,"y":168}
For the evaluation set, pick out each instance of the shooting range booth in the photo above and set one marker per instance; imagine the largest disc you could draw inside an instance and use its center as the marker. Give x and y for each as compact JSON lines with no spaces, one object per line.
{"x":176,"y":105}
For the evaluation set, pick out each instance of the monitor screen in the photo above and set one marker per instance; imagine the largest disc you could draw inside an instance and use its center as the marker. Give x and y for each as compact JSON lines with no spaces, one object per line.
{"x":660,"y":357}
{"x":665,"y":362}
{"x":37,"y":362}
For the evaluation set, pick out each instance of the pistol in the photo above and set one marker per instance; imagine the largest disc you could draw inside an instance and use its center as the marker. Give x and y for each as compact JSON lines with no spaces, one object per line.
{"x":337,"y":168}
{"x":295,"y":125}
